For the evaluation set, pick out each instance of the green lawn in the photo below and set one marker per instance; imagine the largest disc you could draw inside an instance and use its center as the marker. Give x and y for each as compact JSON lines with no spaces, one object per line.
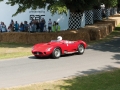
{"x":13,"y":50}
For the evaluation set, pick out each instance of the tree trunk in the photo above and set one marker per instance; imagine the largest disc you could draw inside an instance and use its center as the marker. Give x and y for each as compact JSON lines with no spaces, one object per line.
{"x":76,"y":20}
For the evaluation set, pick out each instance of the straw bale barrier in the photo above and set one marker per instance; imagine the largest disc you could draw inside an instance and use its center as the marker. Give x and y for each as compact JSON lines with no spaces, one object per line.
{"x":13,"y":37}
{"x":89,"y":33}
{"x":32,"y":38}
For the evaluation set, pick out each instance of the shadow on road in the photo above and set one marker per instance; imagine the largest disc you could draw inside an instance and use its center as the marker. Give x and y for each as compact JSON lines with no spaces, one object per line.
{"x":110,"y":46}
{"x":43,"y":58}
{"x":116,"y":57}
{"x":93,"y":71}
{"x":77,"y":81}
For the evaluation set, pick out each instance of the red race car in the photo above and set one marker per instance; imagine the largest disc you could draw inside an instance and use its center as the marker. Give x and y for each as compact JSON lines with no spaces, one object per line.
{"x":56,"y":48}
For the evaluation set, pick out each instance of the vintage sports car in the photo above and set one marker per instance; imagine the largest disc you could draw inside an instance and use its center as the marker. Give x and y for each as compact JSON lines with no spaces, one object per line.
{"x":56,"y":48}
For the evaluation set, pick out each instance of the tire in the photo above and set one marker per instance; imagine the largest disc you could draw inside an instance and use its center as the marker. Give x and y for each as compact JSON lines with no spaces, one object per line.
{"x":81,"y":49}
{"x":56,"y":53}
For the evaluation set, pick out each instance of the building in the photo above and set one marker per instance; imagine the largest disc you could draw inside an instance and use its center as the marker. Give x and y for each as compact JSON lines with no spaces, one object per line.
{"x":6,"y":12}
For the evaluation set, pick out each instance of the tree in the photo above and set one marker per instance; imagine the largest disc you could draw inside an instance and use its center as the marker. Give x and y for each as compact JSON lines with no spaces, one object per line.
{"x":109,"y":3}
{"x":59,"y":6}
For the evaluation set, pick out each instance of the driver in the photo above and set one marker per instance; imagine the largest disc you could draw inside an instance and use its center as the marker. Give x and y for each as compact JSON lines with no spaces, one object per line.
{"x":59,"y":38}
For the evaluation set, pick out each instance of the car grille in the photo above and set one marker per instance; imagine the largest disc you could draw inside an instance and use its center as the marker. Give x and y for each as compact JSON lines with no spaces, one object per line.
{"x":38,"y":53}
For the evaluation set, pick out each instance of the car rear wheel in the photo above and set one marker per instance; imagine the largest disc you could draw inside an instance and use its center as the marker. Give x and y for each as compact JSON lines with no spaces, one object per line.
{"x":81,"y":49}
{"x":56,"y":53}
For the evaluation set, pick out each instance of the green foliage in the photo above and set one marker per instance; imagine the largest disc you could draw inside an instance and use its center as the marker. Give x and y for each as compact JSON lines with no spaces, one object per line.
{"x":110,"y":3}
{"x":59,"y":6}
{"x":79,"y":5}
{"x":55,"y":6}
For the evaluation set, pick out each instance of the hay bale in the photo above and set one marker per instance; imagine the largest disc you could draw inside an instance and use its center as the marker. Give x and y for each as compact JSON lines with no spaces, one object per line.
{"x":113,"y":22}
{"x":94,"y":32}
{"x":0,"y":37}
{"x":14,"y":37}
{"x":46,"y":37}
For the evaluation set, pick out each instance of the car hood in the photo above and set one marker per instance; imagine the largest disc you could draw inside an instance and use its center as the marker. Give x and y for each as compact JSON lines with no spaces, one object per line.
{"x":45,"y":46}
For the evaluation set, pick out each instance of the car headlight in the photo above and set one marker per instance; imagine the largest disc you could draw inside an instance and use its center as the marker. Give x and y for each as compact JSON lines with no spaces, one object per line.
{"x":48,"y":49}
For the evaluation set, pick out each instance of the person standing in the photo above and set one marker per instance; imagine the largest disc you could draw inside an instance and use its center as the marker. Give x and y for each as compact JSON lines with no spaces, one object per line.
{"x":103,"y":10}
{"x":12,"y":22}
{"x":16,"y":25}
{"x":57,"y":27}
{"x":54,"y":27}
{"x":37,"y":27}
{"x":26,"y":26}
{"x":10,"y":28}
{"x":21,"y":27}
{"x":49,"y":25}
{"x":31,"y":28}
{"x":42,"y":24}
{"x":0,"y":28}
{"x":3,"y":27}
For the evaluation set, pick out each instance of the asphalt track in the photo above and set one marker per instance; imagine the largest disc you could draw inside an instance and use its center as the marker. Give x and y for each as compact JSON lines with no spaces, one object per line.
{"x":29,"y":70}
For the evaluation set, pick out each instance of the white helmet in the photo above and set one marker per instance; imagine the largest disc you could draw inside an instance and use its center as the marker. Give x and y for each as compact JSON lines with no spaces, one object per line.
{"x":59,"y":38}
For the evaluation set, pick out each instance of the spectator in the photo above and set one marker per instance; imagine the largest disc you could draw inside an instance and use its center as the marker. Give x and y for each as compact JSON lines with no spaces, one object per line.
{"x":43,"y":20}
{"x":37,"y":26}
{"x":31,"y":28}
{"x":34,"y":26}
{"x":102,"y":6}
{"x":42,"y":24}
{"x":54,"y":27}
{"x":57,"y":27}
{"x":16,"y":25}
{"x":0,"y":28}
{"x":45,"y":29}
{"x":3,"y":27}
{"x":10,"y":28}
{"x":103,"y":10}
{"x":32,"y":20}
{"x":12,"y":22}
{"x":49,"y":25}
{"x":21,"y":27}
{"x":26,"y":26}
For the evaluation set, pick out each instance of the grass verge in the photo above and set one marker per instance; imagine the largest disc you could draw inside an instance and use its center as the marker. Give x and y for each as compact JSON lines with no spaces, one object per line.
{"x":109,"y":80}
{"x":13,"y":50}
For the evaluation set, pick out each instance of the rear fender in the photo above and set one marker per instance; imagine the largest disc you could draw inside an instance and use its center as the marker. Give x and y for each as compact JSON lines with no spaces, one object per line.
{"x":83,"y":43}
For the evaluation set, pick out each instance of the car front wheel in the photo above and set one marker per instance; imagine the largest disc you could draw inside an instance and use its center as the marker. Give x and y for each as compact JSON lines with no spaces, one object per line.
{"x":81,"y":49}
{"x":56,"y":53}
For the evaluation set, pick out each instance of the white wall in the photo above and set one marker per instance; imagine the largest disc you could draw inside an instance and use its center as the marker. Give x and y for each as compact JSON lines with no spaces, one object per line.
{"x":6,"y":12}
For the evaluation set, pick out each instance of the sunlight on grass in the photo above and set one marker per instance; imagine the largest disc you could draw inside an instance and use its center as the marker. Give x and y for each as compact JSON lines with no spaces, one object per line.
{"x":109,"y":80}
{"x":10,"y":50}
